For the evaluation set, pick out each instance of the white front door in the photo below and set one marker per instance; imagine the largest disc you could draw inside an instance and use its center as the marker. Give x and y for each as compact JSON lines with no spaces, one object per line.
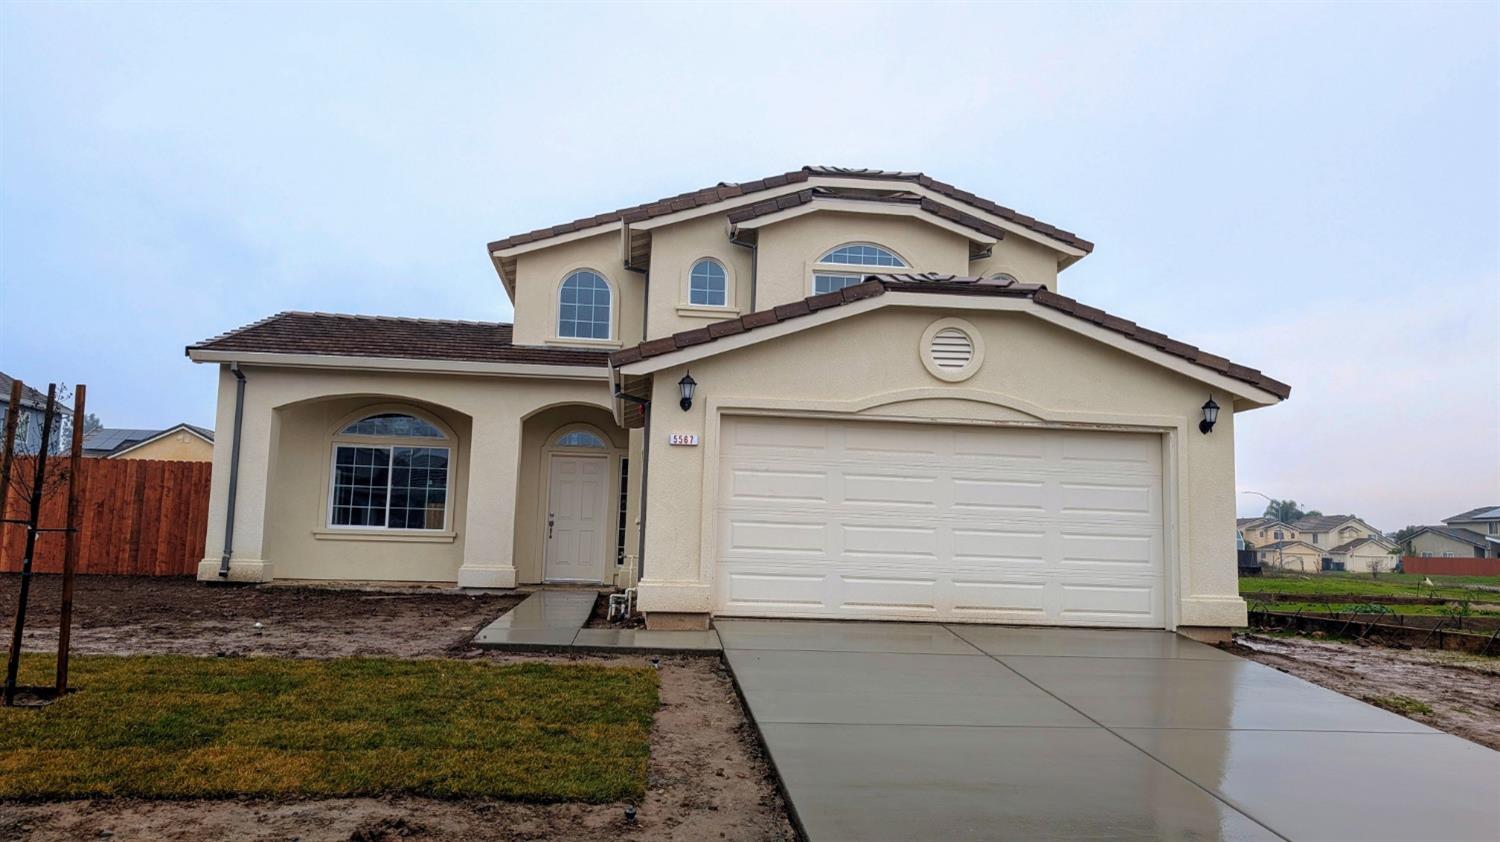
{"x":873,"y":520}
{"x":577,"y":518}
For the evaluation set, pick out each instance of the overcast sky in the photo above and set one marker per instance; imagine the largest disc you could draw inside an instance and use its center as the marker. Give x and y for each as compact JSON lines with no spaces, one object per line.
{"x":1313,"y":190}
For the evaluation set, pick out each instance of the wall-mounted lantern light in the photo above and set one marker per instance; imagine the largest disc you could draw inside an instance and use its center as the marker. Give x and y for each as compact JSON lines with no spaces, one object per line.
{"x":1210,"y":416}
{"x":686,"y":386}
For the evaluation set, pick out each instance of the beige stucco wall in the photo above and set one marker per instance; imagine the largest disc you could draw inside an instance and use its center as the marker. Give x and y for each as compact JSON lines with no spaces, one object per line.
{"x":540,"y":273}
{"x":1483,"y":527}
{"x":1027,"y":261}
{"x":1362,"y":557}
{"x":782,"y":269}
{"x":674,"y":250}
{"x":1260,"y":536}
{"x":297,"y":537}
{"x":788,"y":250}
{"x":273,"y":537}
{"x":868,"y":364}
{"x":1434,"y":544}
{"x":1301,"y":559}
{"x":181,"y":446}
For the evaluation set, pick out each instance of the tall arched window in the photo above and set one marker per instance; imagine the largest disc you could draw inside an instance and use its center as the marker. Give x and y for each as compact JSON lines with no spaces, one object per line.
{"x":708,"y":283}
{"x":827,"y":274}
{"x":390,"y":471}
{"x":583,"y":306}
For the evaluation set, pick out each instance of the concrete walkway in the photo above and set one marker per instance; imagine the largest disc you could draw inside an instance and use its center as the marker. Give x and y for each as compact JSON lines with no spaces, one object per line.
{"x":892,"y":731}
{"x":552,"y":621}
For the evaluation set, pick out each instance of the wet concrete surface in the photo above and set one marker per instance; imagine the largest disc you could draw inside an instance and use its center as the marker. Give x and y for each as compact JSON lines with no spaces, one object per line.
{"x":891,"y":731}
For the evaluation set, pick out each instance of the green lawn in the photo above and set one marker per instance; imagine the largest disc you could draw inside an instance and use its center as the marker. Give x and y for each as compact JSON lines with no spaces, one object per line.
{"x":1447,"y":587}
{"x":178,"y":727}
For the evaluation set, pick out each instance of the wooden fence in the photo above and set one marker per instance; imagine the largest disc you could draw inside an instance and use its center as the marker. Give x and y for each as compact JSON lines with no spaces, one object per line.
{"x":140,"y":517}
{"x":1447,"y":566}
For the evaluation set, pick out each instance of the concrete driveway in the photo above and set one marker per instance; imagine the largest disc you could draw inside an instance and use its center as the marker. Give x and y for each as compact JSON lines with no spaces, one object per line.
{"x":913,"y":731}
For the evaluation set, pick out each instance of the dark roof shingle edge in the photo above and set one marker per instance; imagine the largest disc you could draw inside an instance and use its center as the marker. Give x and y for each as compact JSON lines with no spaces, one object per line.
{"x":721,"y":192}
{"x":294,"y":333}
{"x":875,"y":285}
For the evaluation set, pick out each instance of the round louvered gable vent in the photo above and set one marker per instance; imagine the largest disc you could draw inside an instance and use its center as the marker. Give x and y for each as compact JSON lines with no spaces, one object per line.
{"x":951,"y":348}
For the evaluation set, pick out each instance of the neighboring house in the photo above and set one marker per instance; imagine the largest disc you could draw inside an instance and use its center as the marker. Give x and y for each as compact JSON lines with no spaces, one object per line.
{"x":179,"y":443}
{"x":1329,"y":531}
{"x":1259,"y":531}
{"x":1291,"y":555}
{"x":1363,"y":555}
{"x":1471,"y":534}
{"x":829,"y":393}
{"x":30,"y":422}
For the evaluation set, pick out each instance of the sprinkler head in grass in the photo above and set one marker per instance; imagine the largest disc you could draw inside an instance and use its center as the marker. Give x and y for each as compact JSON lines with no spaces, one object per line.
{"x":630,"y":814}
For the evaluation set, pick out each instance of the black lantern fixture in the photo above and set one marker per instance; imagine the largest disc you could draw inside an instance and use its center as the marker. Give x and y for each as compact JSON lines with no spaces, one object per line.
{"x":686,"y":386}
{"x":1210,"y":416}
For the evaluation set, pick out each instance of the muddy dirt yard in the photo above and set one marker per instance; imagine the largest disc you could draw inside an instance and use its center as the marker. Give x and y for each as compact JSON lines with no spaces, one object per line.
{"x":1450,"y":691}
{"x":707,"y":778}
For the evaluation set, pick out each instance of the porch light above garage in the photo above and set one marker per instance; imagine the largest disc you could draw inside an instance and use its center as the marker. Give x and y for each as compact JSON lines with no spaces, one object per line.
{"x":1210,"y":416}
{"x":686,"y":386}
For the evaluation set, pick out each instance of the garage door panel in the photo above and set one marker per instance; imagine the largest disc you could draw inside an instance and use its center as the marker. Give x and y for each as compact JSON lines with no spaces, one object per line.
{"x":1100,"y":603}
{"x":1000,"y":546}
{"x":828,"y":518}
{"x":792,"y":485}
{"x":908,"y":542}
{"x":1096,"y":498}
{"x":891,"y":490}
{"x":779,"y":537}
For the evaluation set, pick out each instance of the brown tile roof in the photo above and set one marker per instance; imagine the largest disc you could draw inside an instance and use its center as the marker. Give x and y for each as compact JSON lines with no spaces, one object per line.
{"x":724,"y":191}
{"x":335,"y":334}
{"x":802,"y":197}
{"x":876,"y":285}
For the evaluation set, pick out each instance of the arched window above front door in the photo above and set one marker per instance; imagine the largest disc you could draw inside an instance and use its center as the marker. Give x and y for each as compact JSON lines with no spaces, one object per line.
{"x":580,"y":438}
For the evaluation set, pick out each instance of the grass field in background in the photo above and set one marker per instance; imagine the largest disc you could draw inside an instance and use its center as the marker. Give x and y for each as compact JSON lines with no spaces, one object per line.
{"x":179,"y":727}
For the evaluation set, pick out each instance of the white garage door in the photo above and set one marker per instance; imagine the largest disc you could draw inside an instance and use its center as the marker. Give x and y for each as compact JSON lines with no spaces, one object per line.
{"x":858,"y":519}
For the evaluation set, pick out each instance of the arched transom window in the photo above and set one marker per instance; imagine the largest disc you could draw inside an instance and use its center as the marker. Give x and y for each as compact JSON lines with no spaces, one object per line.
{"x":579,"y":438}
{"x":583,"y":306}
{"x":390,"y":471}
{"x":708,"y":283}
{"x":827,"y":276}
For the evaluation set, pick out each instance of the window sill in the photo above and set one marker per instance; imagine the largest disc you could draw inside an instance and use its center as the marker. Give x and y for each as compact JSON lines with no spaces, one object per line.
{"x":702,"y":311}
{"x":568,"y":342}
{"x":392,"y":535}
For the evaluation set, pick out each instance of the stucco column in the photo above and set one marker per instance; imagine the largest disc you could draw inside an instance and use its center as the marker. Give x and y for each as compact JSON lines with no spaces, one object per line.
{"x":674,"y":590}
{"x":1211,"y":582}
{"x":490,"y":519}
{"x":247,"y":561}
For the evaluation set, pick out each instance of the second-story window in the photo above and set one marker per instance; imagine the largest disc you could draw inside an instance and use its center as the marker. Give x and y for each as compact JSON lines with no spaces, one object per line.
{"x":708,"y":283}
{"x":583,"y":306}
{"x":829,"y":273}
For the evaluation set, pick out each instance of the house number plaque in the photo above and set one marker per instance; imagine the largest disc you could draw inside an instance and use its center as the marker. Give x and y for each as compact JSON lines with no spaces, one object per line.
{"x":683,"y":440}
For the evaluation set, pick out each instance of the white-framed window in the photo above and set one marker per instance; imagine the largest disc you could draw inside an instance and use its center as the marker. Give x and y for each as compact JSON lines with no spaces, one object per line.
{"x":827,"y":274}
{"x":708,"y":284}
{"x":585,"y":306}
{"x":390,"y":471}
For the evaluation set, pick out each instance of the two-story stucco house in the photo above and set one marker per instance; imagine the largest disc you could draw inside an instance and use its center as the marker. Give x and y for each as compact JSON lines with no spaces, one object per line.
{"x":830,"y":393}
{"x":1471,"y":534}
